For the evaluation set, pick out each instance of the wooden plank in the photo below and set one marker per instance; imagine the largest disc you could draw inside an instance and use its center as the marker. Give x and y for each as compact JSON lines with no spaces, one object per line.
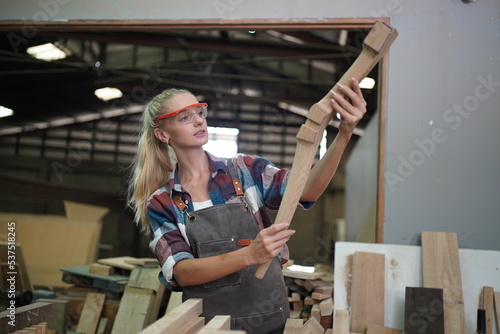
{"x":101,"y":328}
{"x":320,"y":296}
{"x":40,"y":328}
{"x":87,"y":213}
{"x":441,"y":270}
{"x":194,"y":326}
{"x":59,"y":317}
{"x":147,"y":278}
{"x":24,"y":316}
{"x":298,"y":305}
{"x":341,"y":322}
{"x":487,"y":304}
{"x":82,"y":212}
{"x":101,"y":269}
{"x":295,"y":297}
{"x":118,"y":262}
{"x":43,"y":263}
{"x":497,"y":308}
{"x":80,"y":291}
{"x":312,"y":326}
{"x":424,"y":312}
{"x":324,"y":289}
{"x":368,"y":286}
{"x":219,"y":322}
{"x":326,"y":307}
{"x":293,"y":326}
{"x":91,"y":313}
{"x":376,"y":329}
{"x":143,"y":262}
{"x":315,"y":312}
{"x":326,"y":321}
{"x":174,"y":300}
{"x":134,"y":310}
{"x":110,"y":310}
{"x":174,"y":321}
{"x":309,"y":301}
{"x":313,"y":284}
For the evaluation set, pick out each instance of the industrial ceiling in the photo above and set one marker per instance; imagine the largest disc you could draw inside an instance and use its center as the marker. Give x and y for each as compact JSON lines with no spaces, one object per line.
{"x":257,"y":81}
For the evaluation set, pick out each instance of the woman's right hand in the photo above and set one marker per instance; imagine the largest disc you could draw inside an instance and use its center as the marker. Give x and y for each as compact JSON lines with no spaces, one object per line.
{"x":269,"y":242}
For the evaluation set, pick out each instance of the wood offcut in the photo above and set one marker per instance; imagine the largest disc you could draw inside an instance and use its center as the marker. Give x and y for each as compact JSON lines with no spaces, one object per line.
{"x":368,"y":287}
{"x":441,"y":270}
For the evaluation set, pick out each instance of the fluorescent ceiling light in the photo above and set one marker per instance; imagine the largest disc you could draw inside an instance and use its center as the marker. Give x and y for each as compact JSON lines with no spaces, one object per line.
{"x":367,"y":83}
{"x":4,"y":112}
{"x":108,"y":93}
{"x":47,"y":52}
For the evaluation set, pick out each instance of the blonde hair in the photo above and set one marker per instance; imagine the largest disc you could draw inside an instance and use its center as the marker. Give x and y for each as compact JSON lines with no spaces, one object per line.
{"x":152,"y":163}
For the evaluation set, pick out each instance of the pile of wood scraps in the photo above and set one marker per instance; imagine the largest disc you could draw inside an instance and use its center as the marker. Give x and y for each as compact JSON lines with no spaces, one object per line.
{"x":118,"y":297}
{"x":111,"y":296}
{"x":310,"y":296}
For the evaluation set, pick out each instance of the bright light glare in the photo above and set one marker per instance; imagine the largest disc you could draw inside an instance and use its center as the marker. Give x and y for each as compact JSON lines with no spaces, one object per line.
{"x":223,"y":131}
{"x":222,"y":142}
{"x":108,"y":93}
{"x":304,"y":269}
{"x":367,"y":83}
{"x":221,"y":148}
{"x":4,"y":112}
{"x":322,"y":145}
{"x":47,"y":52}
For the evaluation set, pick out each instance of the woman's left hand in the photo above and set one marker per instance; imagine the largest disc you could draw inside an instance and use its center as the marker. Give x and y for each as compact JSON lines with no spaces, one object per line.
{"x":350,"y":107}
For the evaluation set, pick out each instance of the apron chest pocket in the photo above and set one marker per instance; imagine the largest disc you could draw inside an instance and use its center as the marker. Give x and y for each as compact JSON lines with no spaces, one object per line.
{"x":218,"y":247}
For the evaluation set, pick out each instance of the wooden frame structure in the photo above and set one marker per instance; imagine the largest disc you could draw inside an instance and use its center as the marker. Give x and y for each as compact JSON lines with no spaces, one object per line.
{"x":243,"y":24}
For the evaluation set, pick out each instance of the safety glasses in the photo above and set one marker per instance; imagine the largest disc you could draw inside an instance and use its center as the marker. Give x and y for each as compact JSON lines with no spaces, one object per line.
{"x":185,"y":115}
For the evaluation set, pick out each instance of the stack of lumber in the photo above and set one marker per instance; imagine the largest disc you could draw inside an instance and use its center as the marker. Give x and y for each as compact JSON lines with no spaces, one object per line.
{"x":310,"y":296}
{"x":185,"y":319}
{"x":428,"y":283}
{"x":142,"y":298}
{"x":111,"y":296}
{"x":28,"y":319}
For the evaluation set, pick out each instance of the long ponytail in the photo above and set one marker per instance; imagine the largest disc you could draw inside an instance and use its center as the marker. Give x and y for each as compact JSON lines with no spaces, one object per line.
{"x":152,"y":163}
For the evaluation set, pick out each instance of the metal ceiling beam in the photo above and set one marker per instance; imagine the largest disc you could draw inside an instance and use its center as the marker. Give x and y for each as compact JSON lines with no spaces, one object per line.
{"x":248,"y":47}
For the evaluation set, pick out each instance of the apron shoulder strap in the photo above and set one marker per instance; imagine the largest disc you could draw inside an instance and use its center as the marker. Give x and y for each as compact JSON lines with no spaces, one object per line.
{"x":234,"y":175}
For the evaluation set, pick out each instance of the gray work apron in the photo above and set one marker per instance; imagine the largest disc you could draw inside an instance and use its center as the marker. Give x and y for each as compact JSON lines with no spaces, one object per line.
{"x":259,"y":306}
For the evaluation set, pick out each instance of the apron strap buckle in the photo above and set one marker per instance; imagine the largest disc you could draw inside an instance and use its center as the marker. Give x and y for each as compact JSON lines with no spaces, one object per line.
{"x":183,"y":207}
{"x":240,"y":193}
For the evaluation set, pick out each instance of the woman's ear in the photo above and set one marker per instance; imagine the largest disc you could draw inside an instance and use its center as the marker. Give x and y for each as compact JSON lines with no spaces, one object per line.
{"x":162,"y":135}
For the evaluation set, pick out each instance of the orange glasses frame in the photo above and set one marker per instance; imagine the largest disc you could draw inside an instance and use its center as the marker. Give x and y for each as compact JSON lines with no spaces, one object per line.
{"x":173,"y":113}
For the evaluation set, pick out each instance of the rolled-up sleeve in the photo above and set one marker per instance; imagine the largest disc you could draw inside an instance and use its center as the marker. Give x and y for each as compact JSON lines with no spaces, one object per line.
{"x":168,"y":242}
